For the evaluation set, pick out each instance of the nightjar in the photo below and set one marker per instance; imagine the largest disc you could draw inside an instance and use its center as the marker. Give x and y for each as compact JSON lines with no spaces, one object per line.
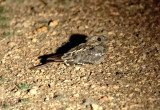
{"x":91,"y":52}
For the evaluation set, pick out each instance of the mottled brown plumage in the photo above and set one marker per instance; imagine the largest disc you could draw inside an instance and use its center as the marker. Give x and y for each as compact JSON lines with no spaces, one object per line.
{"x":91,"y":52}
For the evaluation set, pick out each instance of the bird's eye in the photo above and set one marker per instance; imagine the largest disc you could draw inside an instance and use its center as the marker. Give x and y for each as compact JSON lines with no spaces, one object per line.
{"x":99,"y":39}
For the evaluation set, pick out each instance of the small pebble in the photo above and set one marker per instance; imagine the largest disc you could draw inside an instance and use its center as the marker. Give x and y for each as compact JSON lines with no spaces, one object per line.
{"x":44,"y":28}
{"x":12,"y":44}
{"x":77,"y":68}
{"x":121,"y":34}
{"x":53,"y":23}
{"x":115,"y":87}
{"x":18,"y":93}
{"x":110,"y":33}
{"x":33,"y":91}
{"x":26,"y":24}
{"x":96,"y":107}
{"x":34,"y":40}
{"x":76,"y":95}
{"x":54,"y":33}
{"x":105,"y":98}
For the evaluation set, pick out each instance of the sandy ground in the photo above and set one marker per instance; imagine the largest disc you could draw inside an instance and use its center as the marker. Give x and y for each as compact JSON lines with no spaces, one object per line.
{"x":128,"y":78}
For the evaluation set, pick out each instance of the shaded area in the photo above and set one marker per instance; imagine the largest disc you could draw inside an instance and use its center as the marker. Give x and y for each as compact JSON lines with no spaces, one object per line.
{"x":74,"y":41}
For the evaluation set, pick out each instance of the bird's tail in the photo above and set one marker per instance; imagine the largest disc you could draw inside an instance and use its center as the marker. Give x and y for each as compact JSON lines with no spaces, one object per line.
{"x":48,"y":59}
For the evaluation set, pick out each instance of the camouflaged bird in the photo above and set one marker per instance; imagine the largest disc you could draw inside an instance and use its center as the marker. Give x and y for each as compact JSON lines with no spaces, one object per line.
{"x":91,"y":52}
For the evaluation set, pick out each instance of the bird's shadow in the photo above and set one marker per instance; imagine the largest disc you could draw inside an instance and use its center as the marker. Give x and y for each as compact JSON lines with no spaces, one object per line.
{"x":74,"y":41}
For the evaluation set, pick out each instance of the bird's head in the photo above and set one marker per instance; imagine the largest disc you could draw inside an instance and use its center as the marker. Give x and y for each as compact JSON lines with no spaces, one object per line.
{"x":96,"y":40}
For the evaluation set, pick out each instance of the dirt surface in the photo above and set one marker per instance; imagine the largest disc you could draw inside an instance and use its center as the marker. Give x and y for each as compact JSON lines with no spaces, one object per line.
{"x":128,"y":79}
